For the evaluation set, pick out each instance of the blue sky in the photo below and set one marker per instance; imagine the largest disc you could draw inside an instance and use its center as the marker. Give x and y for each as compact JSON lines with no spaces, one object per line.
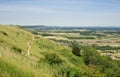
{"x":60,"y":12}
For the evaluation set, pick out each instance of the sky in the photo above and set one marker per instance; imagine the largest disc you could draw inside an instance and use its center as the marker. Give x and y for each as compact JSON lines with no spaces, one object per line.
{"x":60,"y":12}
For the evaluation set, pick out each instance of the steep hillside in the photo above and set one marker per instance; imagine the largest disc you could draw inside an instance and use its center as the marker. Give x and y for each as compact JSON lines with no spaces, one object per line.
{"x":23,"y":54}
{"x":27,"y":54}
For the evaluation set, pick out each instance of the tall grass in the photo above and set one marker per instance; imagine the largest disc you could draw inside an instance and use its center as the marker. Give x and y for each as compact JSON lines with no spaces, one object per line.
{"x":9,"y":70}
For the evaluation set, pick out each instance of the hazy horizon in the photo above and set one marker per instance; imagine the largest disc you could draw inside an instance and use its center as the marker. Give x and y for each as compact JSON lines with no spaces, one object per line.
{"x":78,"y":13}
{"x":60,"y":25}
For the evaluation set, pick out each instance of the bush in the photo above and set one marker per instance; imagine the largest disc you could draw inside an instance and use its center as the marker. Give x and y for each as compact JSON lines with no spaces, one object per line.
{"x":81,"y":37}
{"x":4,"y":33}
{"x":107,"y":65}
{"x":76,"y":49}
{"x":46,"y":34}
{"x":18,"y":50}
{"x":67,"y":71}
{"x":53,"y":58}
{"x":103,"y":48}
{"x":91,"y":56}
{"x":35,"y":33}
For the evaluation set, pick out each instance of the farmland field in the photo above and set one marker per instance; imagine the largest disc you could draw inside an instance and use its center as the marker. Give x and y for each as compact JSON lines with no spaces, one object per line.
{"x":104,"y":39}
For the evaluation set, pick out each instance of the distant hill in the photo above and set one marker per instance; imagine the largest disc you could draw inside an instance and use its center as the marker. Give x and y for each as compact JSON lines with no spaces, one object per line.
{"x":42,"y":27}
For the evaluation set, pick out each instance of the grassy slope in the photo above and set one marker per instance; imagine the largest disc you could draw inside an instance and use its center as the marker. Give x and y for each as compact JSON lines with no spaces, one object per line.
{"x":14,"y":61}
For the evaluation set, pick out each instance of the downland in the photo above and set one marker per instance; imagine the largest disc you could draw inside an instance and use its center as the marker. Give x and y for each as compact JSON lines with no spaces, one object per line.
{"x":26,"y":53}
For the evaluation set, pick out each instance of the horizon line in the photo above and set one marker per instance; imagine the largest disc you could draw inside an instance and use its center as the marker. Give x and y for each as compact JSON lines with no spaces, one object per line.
{"x":61,"y":25}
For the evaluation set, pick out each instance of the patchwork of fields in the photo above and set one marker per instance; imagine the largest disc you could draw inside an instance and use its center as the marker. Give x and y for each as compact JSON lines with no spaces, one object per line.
{"x":86,"y":37}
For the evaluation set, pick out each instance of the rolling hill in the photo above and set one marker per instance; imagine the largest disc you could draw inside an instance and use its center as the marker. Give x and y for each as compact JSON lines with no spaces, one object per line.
{"x":23,"y":54}
{"x":15,"y":61}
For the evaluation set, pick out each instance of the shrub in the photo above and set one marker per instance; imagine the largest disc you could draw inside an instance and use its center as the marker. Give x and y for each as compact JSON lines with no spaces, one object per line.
{"x":81,"y":37}
{"x":75,"y":49}
{"x":91,"y":56}
{"x":107,"y":65}
{"x":46,"y":34}
{"x":35,"y":33}
{"x":67,"y":71}
{"x":4,"y":33}
{"x":93,"y":71}
{"x":18,"y":50}
{"x":103,"y":48}
{"x":53,"y":58}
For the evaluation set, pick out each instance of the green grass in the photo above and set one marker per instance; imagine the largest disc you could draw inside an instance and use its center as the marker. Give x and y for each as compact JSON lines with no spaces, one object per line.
{"x":8,"y":70}
{"x":14,"y":61}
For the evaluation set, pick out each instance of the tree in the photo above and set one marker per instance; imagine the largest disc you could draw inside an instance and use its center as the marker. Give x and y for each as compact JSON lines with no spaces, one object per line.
{"x":76,"y":49}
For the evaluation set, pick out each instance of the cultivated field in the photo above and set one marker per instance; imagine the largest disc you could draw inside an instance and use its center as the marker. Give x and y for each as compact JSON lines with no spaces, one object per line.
{"x":106,"y":41}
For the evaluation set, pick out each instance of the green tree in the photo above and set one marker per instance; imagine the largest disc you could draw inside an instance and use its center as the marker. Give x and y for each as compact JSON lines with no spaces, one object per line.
{"x":76,"y":49}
